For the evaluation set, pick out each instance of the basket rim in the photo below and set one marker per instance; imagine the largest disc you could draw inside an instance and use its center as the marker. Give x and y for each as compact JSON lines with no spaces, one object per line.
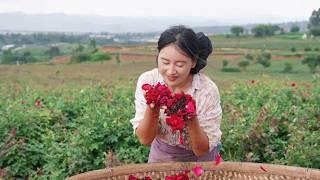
{"x":248,"y":167}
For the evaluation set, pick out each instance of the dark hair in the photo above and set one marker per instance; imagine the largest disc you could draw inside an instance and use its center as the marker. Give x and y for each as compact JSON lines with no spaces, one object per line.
{"x":197,"y":46}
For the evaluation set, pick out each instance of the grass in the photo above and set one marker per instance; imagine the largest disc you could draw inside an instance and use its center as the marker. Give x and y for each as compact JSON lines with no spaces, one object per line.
{"x":272,"y":43}
{"x":231,"y":49}
{"x":110,"y":73}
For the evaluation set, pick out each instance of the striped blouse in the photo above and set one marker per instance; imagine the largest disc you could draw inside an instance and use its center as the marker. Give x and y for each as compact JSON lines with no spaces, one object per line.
{"x":209,"y":113}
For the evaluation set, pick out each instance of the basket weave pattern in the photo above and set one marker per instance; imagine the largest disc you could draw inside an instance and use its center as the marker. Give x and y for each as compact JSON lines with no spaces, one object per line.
{"x":223,"y":171}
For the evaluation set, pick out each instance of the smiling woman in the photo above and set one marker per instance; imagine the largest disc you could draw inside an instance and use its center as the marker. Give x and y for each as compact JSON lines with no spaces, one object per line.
{"x":181,"y":55}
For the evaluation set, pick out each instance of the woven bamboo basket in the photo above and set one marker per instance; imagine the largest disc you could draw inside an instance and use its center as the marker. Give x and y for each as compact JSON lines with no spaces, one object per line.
{"x":223,"y":171}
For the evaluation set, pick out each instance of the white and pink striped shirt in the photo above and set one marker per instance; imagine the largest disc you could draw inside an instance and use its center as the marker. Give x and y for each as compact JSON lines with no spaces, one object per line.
{"x":209,"y":113}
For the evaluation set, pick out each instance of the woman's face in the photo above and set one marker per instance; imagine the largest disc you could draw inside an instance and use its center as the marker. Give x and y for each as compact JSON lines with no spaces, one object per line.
{"x":174,"y":66}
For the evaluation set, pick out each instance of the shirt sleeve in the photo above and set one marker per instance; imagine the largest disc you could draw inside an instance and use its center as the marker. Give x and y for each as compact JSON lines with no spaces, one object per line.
{"x":140,"y":101}
{"x":210,"y":116}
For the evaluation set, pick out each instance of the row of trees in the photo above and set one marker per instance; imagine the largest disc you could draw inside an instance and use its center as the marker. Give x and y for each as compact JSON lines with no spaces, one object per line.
{"x":9,"y":57}
{"x":263,"y":30}
{"x":264,"y":59}
{"x":49,"y":38}
{"x":80,"y":53}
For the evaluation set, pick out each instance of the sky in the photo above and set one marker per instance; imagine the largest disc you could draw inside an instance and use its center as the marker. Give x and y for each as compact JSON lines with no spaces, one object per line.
{"x":218,"y":9}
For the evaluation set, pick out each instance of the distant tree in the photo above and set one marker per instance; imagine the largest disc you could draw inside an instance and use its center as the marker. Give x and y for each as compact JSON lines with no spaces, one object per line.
{"x":282,"y":31}
{"x":53,"y":51}
{"x":237,"y":30}
{"x":307,"y":49}
{"x":243,"y":65}
{"x":100,"y":56}
{"x":314,"y":23}
{"x":93,"y":43}
{"x":80,"y":57}
{"x":264,"y":59}
{"x":225,"y":63}
{"x":265,"y":30}
{"x":274,"y":29}
{"x":26,"y":57}
{"x":7,"y":57}
{"x":258,"y":31}
{"x":294,"y":29}
{"x":315,"y":31}
{"x":80,"y":48}
{"x":250,"y":57}
{"x":118,"y":59}
{"x":287,"y":68}
{"x":312,"y":61}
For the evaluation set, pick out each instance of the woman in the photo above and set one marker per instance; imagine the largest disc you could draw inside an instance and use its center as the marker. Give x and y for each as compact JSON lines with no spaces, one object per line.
{"x":182,"y":54}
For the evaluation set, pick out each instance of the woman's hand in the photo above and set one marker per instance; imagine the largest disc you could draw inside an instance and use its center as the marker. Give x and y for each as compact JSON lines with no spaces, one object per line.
{"x":152,"y":108}
{"x":148,"y":126}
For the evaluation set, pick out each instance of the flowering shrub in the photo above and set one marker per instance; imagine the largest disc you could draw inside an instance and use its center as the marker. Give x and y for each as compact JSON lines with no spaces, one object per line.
{"x":57,"y":134}
{"x":272,"y":122}
{"x":71,"y":131}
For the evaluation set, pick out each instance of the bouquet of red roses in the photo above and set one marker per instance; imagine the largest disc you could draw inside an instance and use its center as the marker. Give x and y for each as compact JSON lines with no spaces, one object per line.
{"x":179,"y":107}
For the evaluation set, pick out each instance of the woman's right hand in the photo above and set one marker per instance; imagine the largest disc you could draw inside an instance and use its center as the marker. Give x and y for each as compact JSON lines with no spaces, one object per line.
{"x":152,"y":108}
{"x":148,"y":127}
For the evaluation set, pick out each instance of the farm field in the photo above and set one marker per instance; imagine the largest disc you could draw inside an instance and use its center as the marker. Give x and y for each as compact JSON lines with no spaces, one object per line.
{"x":61,"y":119}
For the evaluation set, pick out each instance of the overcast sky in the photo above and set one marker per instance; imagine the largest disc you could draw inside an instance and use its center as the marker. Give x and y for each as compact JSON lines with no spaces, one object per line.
{"x":221,"y":9}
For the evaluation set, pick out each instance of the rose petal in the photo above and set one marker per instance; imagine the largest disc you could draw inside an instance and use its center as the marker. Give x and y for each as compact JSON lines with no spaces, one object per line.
{"x":218,"y":159}
{"x":263,"y":169}
{"x":197,"y":170}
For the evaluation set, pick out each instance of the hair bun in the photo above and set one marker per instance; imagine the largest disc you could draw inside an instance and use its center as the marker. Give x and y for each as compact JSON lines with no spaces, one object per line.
{"x":205,"y":49}
{"x":205,"y":46}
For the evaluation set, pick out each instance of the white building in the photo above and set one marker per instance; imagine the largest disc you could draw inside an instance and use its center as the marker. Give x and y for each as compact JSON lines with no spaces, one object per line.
{"x":7,"y":47}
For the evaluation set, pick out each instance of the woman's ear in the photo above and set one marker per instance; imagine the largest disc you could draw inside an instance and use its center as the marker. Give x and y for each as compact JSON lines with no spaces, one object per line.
{"x":194,"y":63}
{"x":157,"y":58}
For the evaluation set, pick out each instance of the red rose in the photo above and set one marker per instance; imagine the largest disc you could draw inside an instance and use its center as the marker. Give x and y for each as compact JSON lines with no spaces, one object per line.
{"x":146,"y":87}
{"x":191,"y":107}
{"x":176,"y":122}
{"x":38,"y":103}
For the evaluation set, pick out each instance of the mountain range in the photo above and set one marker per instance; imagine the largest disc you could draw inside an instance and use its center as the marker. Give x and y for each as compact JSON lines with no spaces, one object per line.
{"x":59,"y":22}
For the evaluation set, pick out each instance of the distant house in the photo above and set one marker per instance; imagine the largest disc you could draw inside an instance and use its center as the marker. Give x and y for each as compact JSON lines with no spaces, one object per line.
{"x":7,"y":47}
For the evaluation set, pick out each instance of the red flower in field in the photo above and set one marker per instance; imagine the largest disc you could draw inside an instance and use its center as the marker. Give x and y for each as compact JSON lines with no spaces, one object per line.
{"x":3,"y":172}
{"x":218,"y":159}
{"x":38,"y":103}
{"x":197,"y":170}
{"x":147,"y":178}
{"x":13,"y":132}
{"x":293,"y":84}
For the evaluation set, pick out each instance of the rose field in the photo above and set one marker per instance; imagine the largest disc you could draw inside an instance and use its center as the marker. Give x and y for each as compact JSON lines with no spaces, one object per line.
{"x":58,"y":120}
